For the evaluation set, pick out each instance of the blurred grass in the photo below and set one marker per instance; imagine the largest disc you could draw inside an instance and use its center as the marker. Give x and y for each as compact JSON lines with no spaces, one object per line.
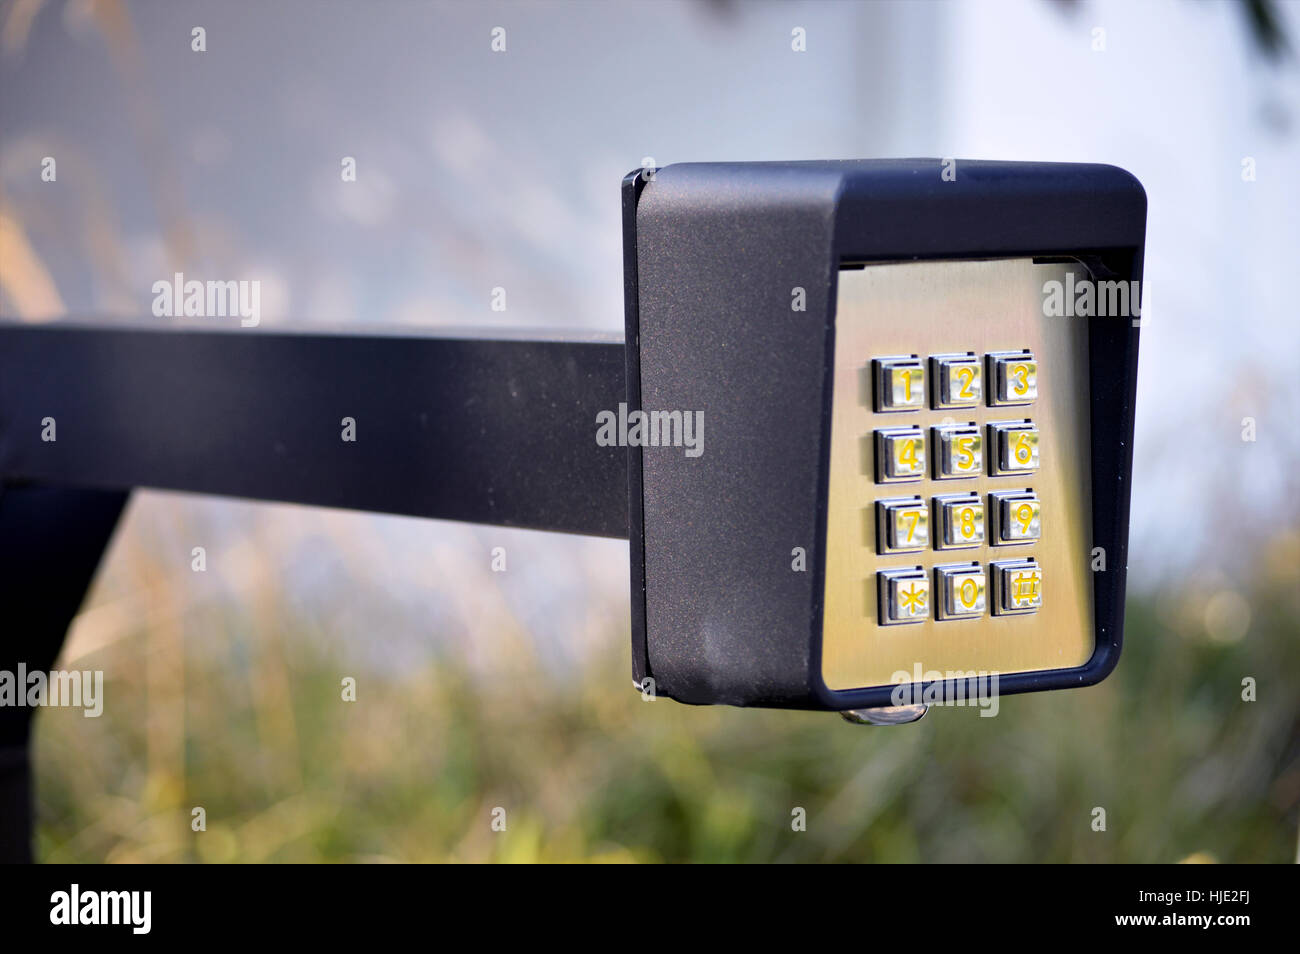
{"x":287,"y":772}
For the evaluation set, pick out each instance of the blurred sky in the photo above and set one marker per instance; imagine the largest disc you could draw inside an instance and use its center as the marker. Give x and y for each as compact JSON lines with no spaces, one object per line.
{"x":478,"y":169}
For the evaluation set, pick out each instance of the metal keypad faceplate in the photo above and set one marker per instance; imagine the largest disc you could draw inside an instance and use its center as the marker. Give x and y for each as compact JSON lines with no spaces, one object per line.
{"x":934,"y":313}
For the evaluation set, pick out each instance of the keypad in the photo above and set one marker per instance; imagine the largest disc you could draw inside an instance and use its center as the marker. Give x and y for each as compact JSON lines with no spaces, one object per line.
{"x":965,"y":518}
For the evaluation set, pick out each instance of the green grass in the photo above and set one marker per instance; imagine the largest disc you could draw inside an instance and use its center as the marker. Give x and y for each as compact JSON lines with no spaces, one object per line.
{"x":585,"y":770}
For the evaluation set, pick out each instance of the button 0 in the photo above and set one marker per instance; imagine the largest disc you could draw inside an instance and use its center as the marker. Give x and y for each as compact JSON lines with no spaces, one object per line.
{"x":1013,"y":448}
{"x":958,"y":451}
{"x":1017,"y":587}
{"x":1015,"y":516}
{"x":899,"y":383}
{"x":1013,"y":378}
{"x":960,"y":588}
{"x":900,"y":454}
{"x":957,"y":380}
{"x":958,"y":521}
{"x":902,"y":525}
{"x":904,"y":595}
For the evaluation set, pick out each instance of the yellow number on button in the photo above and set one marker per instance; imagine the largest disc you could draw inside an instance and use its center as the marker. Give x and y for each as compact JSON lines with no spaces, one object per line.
{"x":966,"y":522}
{"x":1025,"y":514}
{"x":1023,"y":449}
{"x":907,"y":454}
{"x":910,"y":517}
{"x":968,"y":591}
{"x":1021,"y":375}
{"x":966,"y":458}
{"x":966,"y":376}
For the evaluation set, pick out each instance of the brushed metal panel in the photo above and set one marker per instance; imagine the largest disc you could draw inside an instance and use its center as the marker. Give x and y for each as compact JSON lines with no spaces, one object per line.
{"x":930,"y":308}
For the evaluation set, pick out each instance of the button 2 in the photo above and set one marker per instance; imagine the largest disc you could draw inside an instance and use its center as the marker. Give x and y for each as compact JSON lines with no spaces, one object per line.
{"x":957,"y":380}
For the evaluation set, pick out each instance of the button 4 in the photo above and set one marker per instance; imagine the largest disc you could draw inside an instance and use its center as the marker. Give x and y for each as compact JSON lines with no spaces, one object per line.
{"x":900,"y":454}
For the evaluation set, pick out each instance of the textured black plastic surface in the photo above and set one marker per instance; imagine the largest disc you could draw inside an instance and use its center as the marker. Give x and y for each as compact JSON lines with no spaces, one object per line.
{"x":718,"y":249}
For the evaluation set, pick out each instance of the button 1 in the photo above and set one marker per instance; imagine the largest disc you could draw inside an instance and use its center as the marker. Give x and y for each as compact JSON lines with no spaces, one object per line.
{"x":899,"y":383}
{"x":900,"y":454}
{"x":1017,"y":587}
{"x":1014,"y":517}
{"x":958,"y":521}
{"x":904,"y":595}
{"x":1013,"y":378}
{"x":1013,"y":447}
{"x":960,"y":588}
{"x":902,"y":525}
{"x":957,"y":380}
{"x":958,"y":451}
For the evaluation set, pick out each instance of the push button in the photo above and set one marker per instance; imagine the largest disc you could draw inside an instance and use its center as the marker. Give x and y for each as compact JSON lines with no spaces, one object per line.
{"x":1015,"y":516}
{"x":1013,"y":378}
{"x":902,"y":525}
{"x":1017,"y":587}
{"x":960,"y":587}
{"x":900,"y":454}
{"x":959,"y":521}
{"x":904,"y":595}
{"x":957,"y":380}
{"x":899,"y":383}
{"x":1013,"y":448}
{"x":958,"y":451}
